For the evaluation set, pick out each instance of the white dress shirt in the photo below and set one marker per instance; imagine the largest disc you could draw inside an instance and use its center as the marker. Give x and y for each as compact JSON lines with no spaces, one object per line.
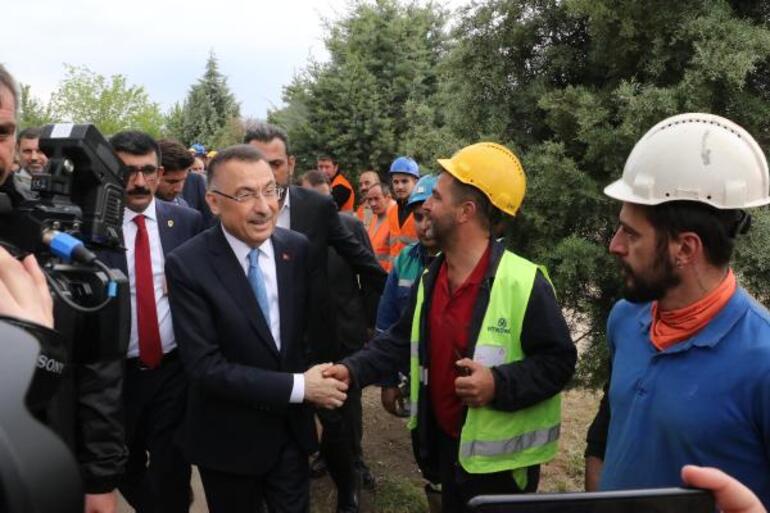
{"x":266,"y":260}
{"x":284,"y":215}
{"x":157,"y":260}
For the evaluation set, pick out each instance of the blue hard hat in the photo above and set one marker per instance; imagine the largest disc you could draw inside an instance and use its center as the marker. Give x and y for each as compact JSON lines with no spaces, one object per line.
{"x":422,"y":189}
{"x":405,"y":165}
{"x":199,"y":149}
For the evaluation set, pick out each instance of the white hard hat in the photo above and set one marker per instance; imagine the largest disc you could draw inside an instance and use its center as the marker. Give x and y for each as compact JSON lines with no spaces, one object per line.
{"x":695,"y":157}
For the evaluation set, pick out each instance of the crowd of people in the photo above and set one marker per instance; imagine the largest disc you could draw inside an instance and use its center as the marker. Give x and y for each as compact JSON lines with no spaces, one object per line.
{"x":262,"y":299}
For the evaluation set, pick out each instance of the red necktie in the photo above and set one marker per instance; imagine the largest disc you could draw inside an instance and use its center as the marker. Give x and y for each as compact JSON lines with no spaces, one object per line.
{"x":150,"y":351}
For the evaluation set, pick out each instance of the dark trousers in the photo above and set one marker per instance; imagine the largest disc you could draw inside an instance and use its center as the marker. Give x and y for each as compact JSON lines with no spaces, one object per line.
{"x":340,"y":440}
{"x":157,"y":476}
{"x":458,"y":486}
{"x":285,"y":488}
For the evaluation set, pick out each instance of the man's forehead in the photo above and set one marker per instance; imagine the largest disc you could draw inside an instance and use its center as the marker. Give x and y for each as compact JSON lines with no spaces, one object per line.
{"x":29,"y":143}
{"x":272,"y":149}
{"x":131,"y":159}
{"x":242,"y":173}
{"x":7,"y":105}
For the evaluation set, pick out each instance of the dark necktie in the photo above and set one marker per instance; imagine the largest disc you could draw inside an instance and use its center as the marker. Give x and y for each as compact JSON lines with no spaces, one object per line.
{"x":150,"y":350}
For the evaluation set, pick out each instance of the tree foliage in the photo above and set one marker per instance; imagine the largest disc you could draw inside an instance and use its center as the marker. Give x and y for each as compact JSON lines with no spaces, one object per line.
{"x":32,"y":111}
{"x":109,"y":103}
{"x":209,"y":113}
{"x":569,"y":85}
{"x":365,"y":104}
{"x":572,"y":85}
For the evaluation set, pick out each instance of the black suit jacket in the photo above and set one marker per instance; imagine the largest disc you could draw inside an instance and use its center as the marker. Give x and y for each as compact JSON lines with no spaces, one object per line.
{"x":176,"y":225}
{"x":194,"y":193}
{"x":316,"y":216}
{"x":93,"y":423}
{"x":238,"y":412}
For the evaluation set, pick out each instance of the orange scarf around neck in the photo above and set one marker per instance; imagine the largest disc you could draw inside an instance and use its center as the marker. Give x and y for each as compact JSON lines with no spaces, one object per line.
{"x":673,"y":326}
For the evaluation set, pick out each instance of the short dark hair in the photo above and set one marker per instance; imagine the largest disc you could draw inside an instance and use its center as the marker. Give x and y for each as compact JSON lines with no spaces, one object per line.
{"x":314,"y":177}
{"x":242,"y":152}
{"x":7,"y":81}
{"x":489,"y":214}
{"x":266,"y":132}
{"x":29,"y":133}
{"x":135,"y":142}
{"x":716,"y":228}
{"x":327,"y":156}
{"x":175,"y":156}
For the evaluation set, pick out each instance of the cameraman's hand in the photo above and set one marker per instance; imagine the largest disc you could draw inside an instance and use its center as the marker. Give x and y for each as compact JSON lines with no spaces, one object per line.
{"x":23,"y":290}
{"x":102,"y":502}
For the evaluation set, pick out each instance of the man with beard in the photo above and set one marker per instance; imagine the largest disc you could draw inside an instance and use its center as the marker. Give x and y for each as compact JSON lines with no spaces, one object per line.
{"x":31,"y":159}
{"x":689,"y":348}
{"x":155,"y":386}
{"x":485,"y":340}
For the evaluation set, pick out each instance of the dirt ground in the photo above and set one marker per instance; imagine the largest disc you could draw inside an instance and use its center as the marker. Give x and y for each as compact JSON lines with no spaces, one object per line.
{"x":388,"y":452}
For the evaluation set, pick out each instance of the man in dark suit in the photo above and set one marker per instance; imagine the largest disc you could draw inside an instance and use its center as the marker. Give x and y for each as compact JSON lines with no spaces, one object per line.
{"x":239,"y":295}
{"x":194,"y":193}
{"x":316,"y":216}
{"x":155,"y":385}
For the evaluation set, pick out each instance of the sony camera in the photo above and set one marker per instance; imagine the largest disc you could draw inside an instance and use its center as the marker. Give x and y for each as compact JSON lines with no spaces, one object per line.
{"x":73,"y":208}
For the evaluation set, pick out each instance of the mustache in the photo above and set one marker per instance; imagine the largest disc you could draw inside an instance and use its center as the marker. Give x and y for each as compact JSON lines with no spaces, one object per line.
{"x":139,"y":191}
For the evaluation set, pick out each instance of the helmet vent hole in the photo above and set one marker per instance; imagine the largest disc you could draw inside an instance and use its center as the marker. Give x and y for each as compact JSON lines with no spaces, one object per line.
{"x":668,"y":194}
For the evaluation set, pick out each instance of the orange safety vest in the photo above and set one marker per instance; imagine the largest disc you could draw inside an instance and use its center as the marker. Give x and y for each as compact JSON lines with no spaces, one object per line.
{"x":364,"y":214}
{"x":400,"y":235}
{"x":379,"y":235}
{"x":341,"y":180}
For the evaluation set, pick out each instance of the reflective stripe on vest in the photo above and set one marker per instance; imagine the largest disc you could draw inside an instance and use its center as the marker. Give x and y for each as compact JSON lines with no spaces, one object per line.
{"x":493,"y":440}
{"x":341,"y":180}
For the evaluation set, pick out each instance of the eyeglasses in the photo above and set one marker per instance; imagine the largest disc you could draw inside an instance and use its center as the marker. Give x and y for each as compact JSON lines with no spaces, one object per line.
{"x":250,"y":197}
{"x":147,"y":170}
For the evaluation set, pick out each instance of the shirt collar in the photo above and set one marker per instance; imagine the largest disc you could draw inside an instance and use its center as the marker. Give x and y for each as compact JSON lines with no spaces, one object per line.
{"x":286,"y":200}
{"x":715,"y":331}
{"x":149,"y":213}
{"x":242,"y":250}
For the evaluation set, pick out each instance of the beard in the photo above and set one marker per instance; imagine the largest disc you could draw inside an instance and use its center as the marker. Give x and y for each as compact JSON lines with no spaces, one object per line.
{"x":652,"y":285}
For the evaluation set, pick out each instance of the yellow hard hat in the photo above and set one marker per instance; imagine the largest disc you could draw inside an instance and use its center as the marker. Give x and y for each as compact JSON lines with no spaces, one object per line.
{"x":212,"y":154}
{"x":494,"y":170}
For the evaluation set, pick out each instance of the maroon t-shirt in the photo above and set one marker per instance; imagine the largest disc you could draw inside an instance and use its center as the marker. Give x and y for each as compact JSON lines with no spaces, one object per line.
{"x":448,"y":323}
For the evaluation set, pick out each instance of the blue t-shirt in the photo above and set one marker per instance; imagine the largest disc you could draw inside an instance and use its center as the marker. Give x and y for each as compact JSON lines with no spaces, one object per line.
{"x":703,"y":401}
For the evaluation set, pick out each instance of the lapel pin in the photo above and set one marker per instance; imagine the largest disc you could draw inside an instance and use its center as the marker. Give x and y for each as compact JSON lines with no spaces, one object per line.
{"x":285,"y":257}
{"x":170,"y":223}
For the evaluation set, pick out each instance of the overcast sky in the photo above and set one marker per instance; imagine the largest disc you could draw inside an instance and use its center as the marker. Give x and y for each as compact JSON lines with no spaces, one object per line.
{"x":163,"y":44}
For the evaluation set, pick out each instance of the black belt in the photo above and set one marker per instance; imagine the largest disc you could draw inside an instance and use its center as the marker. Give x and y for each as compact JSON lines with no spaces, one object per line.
{"x":137,"y":364}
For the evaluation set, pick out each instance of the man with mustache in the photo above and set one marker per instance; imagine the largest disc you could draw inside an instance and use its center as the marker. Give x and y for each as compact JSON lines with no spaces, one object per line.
{"x":689,"y":348}
{"x":31,"y":159}
{"x":316,"y":217}
{"x":155,"y":385}
{"x":240,"y":295}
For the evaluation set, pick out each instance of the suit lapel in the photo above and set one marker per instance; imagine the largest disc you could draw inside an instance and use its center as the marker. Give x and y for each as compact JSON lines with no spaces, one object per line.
{"x":297,"y":220}
{"x":234,"y":280}
{"x":166,"y":227}
{"x":283,"y":268}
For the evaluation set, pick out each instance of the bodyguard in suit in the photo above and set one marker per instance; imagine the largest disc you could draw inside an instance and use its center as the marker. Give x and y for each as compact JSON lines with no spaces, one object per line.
{"x":240,"y":296}
{"x":314,"y":215}
{"x":157,"y":476}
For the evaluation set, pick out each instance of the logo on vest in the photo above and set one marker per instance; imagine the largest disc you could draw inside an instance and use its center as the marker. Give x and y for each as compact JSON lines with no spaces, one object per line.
{"x":501,"y":328}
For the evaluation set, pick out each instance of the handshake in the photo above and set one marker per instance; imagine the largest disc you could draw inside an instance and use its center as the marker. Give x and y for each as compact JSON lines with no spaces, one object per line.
{"x":326,"y":384}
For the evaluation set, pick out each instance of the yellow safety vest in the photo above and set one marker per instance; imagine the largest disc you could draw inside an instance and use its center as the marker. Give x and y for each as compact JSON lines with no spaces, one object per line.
{"x":493,"y":440}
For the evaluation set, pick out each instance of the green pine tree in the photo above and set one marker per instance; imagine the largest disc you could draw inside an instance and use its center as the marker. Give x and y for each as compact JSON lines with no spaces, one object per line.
{"x":208,"y":112}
